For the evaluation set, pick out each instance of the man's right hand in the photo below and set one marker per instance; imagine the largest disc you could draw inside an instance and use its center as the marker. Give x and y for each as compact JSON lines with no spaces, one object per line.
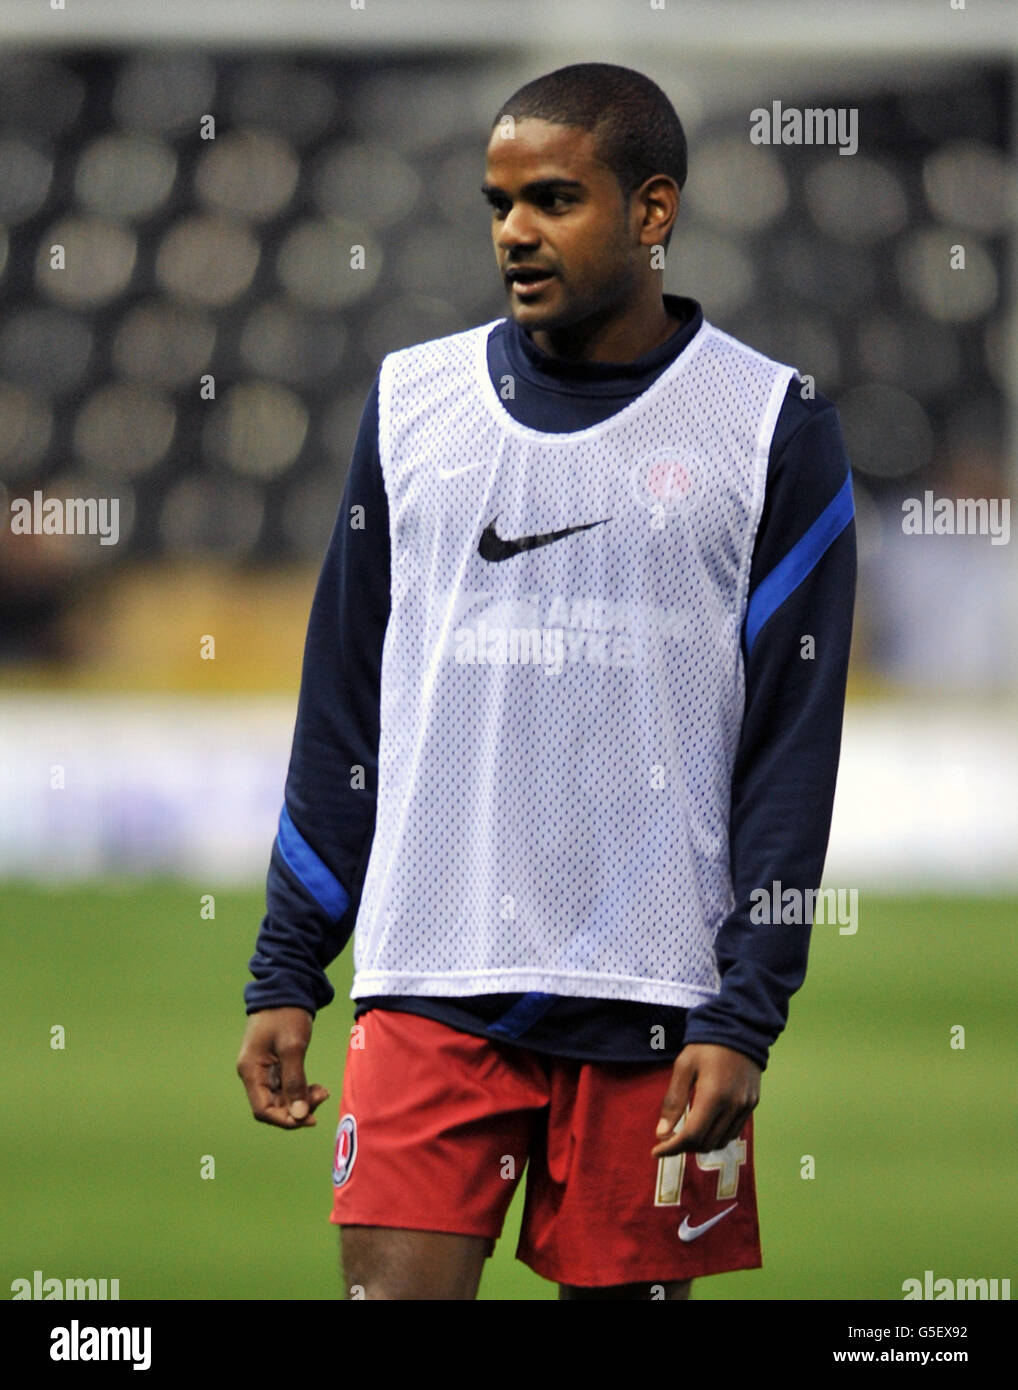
{"x":271,"y":1066}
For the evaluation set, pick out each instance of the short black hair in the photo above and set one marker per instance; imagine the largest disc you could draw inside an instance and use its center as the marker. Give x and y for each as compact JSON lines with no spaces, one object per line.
{"x":637,"y":132}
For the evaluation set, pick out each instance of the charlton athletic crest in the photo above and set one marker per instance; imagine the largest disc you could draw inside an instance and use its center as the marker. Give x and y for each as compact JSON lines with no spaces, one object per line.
{"x":345,"y":1151}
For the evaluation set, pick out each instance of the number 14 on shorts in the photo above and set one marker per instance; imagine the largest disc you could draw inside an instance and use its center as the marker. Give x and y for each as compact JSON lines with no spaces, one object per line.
{"x":727,"y":1162}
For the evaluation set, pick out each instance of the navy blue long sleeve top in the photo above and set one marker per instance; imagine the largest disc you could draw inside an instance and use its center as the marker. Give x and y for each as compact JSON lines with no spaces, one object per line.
{"x":795,"y":647}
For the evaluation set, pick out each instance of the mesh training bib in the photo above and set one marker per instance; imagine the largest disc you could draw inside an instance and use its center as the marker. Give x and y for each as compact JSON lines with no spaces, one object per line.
{"x":562,"y":683}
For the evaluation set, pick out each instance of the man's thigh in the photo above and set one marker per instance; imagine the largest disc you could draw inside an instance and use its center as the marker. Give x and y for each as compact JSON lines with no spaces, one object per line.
{"x":434,"y":1134}
{"x":379,"y":1262}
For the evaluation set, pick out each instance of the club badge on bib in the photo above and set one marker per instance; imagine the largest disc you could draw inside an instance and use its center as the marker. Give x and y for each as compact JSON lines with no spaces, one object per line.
{"x":664,"y":482}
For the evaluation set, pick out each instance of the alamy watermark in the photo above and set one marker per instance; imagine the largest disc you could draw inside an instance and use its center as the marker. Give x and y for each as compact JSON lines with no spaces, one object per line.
{"x":66,"y":516}
{"x":961,"y":1289}
{"x":486,"y":645}
{"x":806,"y":907}
{"x":957,"y":516}
{"x":40,"y":1287}
{"x":814,"y":125}
{"x":77,"y":1343}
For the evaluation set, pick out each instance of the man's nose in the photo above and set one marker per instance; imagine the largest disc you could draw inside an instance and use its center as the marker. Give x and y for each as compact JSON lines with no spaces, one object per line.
{"x":517,"y":228}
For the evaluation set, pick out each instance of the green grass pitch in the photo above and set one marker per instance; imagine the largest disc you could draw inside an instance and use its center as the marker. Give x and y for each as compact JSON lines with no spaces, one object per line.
{"x":912,"y":1140}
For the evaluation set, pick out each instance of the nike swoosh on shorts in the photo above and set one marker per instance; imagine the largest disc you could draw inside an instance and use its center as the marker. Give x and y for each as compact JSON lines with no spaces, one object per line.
{"x":688,"y":1232}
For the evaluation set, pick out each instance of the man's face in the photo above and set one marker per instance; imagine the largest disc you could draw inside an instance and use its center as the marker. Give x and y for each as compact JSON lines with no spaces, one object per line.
{"x":556,"y":208}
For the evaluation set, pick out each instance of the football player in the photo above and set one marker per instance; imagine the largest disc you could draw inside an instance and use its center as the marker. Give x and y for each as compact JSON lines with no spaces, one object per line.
{"x":572,"y":690}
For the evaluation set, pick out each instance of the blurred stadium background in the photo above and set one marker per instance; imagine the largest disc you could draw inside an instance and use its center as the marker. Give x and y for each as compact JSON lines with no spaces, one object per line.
{"x":229,"y":257}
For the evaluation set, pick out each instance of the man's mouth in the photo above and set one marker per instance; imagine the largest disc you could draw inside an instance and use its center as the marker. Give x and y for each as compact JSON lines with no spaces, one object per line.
{"x":527,"y":281}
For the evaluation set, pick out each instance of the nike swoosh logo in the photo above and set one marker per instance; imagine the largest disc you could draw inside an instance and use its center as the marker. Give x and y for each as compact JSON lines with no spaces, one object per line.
{"x":494,"y":547}
{"x":455,"y":472}
{"x":688,"y":1232}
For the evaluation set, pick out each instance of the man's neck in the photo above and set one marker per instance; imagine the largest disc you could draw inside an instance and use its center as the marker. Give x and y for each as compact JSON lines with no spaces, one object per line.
{"x":623,"y":340}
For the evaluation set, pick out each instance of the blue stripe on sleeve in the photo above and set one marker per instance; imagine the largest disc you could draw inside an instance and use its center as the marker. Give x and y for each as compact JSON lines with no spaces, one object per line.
{"x":320,"y":881}
{"x":788,"y":574}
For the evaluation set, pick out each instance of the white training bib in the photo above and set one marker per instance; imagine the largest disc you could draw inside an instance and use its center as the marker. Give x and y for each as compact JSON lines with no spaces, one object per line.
{"x":562,"y":683}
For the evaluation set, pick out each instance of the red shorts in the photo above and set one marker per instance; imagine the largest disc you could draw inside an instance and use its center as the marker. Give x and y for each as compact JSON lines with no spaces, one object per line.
{"x":436,"y":1127}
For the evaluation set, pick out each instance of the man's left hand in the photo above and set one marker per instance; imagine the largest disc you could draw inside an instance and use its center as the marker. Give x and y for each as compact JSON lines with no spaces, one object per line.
{"x":725,"y":1087}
